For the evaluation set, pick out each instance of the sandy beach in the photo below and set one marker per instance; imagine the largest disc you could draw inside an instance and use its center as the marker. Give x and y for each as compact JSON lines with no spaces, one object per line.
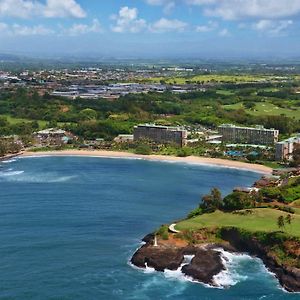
{"x":190,"y":159}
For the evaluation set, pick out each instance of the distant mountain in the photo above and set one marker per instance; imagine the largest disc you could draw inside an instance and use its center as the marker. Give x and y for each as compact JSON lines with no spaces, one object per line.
{"x":9,"y":57}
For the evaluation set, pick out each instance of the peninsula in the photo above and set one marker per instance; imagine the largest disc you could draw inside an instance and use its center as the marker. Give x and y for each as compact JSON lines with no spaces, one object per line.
{"x":261,"y":221}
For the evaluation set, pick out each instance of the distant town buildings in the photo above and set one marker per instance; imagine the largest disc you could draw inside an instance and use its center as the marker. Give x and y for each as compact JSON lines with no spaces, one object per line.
{"x":284,"y":150}
{"x":248,"y":135}
{"x":161,"y":134}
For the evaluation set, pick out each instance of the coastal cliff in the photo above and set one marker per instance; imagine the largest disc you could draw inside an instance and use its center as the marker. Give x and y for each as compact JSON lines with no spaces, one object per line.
{"x":288,"y":276}
{"x":206,"y":260}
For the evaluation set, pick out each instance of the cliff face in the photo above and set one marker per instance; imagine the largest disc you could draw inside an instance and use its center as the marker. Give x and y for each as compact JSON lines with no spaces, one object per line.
{"x":289,"y":277}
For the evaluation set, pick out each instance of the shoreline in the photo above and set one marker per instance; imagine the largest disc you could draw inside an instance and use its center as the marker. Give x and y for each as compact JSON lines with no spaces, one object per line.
{"x":196,"y":160}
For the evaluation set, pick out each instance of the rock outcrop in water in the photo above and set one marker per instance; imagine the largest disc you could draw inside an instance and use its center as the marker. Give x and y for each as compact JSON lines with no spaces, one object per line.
{"x":205,"y":264}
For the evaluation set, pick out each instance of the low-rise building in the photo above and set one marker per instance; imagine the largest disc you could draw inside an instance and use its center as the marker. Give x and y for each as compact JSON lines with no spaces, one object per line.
{"x":284,"y":150}
{"x":53,"y":136}
{"x":248,"y":135}
{"x":161,"y":134}
{"x":124,"y":138}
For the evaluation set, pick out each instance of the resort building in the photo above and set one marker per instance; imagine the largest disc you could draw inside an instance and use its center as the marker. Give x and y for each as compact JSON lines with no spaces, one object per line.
{"x":53,"y":136}
{"x":284,"y":150}
{"x":161,"y":134}
{"x":248,"y":135}
{"x":124,"y":138}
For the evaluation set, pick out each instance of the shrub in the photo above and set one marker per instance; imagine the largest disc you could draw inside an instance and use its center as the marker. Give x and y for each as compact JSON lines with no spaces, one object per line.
{"x":184,"y":152}
{"x":163,"y":232}
{"x":143,"y":150}
{"x":287,"y":209}
{"x":196,"y":212}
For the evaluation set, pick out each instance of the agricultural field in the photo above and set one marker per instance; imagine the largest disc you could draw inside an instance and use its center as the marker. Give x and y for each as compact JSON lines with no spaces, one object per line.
{"x":261,"y":219}
{"x":216,"y":78}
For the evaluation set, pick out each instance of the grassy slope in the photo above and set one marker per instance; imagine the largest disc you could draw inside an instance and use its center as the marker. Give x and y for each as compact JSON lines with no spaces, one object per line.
{"x":262,"y":219}
{"x":267,"y":109}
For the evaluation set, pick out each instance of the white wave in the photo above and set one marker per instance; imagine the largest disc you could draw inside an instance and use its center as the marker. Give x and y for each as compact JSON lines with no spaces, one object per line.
{"x":21,"y":176}
{"x":230,"y":276}
{"x":148,"y":269}
{"x":43,"y":178}
{"x":177,"y":274}
{"x":8,"y":161}
{"x":10,"y":173}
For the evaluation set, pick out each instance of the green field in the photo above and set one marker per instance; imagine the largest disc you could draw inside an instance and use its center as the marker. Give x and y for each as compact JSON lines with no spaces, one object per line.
{"x":13,"y":120}
{"x":262,"y":219}
{"x":215,"y":78}
{"x":267,"y":109}
{"x":42,"y":123}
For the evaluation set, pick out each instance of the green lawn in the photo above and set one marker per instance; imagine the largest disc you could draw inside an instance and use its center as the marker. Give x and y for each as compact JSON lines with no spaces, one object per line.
{"x":262,"y":219}
{"x":42,"y":123}
{"x":267,"y":109}
{"x":13,"y":120}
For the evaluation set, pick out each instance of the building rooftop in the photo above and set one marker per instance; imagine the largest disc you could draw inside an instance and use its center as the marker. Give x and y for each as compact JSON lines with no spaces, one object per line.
{"x":257,"y":127}
{"x":160,"y":127}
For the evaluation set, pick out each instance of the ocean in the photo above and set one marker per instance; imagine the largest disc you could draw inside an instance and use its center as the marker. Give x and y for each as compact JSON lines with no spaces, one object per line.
{"x":69,"y":225}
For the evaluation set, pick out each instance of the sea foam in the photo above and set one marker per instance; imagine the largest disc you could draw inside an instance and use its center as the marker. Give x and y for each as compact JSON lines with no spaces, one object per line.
{"x":230,"y":276}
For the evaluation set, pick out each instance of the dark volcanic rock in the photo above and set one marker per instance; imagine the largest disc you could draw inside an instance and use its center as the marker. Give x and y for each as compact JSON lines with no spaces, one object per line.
{"x":148,"y":238}
{"x":204,"y":266}
{"x":158,"y":258}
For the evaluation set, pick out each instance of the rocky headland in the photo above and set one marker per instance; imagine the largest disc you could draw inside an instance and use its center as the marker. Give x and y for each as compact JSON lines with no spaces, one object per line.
{"x":206,"y":258}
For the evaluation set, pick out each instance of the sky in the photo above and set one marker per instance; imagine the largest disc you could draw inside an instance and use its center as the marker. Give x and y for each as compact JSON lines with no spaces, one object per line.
{"x":151,"y":28}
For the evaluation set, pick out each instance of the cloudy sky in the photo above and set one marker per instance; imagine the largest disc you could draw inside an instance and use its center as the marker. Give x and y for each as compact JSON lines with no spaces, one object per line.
{"x":151,"y":28}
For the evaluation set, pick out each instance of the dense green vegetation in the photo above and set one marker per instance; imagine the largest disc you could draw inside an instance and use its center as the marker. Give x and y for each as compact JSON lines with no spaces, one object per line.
{"x":271,"y":105}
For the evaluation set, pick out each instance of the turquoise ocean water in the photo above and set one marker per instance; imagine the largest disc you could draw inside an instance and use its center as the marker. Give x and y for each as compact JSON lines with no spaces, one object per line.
{"x":69,"y":225}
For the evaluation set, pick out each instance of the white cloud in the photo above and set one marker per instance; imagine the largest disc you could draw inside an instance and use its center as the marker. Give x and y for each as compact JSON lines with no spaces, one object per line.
{"x":157,"y":2}
{"x":224,"y":32}
{"x":210,"y":26}
{"x":239,"y":9}
{"x":63,"y":8}
{"x":272,"y":27}
{"x":50,"y":9}
{"x":22,"y":30}
{"x":127,"y":21}
{"x":79,"y":29}
{"x":200,"y":2}
{"x":166,"y":25}
{"x":27,"y":30}
{"x":169,"y":7}
{"x":3,"y":27}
